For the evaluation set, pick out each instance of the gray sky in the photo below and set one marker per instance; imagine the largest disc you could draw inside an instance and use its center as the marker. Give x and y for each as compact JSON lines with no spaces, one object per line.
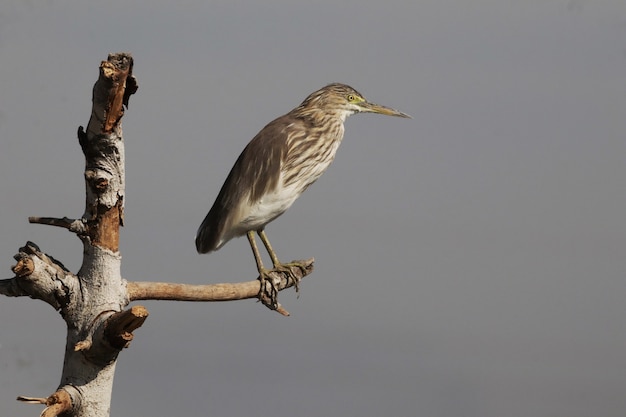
{"x":469,"y":262}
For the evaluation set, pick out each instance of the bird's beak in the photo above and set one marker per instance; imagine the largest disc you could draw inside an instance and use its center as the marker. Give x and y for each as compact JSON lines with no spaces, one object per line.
{"x":377,"y":108}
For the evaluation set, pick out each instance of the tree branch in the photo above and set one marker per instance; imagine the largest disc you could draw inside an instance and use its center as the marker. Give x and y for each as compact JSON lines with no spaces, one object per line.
{"x":40,"y":276}
{"x":118,"y":329}
{"x":73,"y":225}
{"x":11,"y":288}
{"x":215,"y":292}
{"x":57,"y":404}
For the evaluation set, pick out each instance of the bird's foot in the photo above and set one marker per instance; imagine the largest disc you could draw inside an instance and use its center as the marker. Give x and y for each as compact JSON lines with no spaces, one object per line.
{"x":268,"y":293}
{"x":292,"y":271}
{"x":281,"y":276}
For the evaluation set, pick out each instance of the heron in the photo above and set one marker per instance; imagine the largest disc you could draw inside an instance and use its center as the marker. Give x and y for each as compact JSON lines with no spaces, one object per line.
{"x":278,"y":164}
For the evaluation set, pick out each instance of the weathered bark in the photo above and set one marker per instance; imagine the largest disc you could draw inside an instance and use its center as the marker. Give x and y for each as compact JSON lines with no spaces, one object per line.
{"x":92,"y":301}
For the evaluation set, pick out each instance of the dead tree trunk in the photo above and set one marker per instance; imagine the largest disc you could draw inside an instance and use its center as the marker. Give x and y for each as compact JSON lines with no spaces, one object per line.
{"x":92,"y":302}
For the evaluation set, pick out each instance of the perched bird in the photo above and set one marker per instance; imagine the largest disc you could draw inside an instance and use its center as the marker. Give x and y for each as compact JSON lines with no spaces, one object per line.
{"x":278,"y":164}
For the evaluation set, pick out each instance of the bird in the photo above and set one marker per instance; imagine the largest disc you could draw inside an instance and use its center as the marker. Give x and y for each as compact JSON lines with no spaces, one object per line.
{"x":277,"y":166}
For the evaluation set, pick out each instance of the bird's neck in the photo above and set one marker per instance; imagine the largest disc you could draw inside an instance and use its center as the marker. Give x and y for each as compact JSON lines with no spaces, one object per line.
{"x":319,"y":117}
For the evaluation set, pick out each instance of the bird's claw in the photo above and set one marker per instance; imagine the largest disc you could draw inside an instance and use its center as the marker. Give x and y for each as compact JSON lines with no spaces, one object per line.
{"x":287,"y":269}
{"x":268,"y":293}
{"x":271,"y":281}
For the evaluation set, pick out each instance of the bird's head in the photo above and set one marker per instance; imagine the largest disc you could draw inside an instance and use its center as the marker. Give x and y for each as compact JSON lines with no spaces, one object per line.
{"x":341,"y":101}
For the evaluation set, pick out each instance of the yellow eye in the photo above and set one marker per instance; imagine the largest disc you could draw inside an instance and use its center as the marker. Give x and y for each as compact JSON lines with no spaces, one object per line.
{"x":351,"y":97}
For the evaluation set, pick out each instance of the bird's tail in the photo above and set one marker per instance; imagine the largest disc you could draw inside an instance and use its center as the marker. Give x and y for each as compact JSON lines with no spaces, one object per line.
{"x":207,"y":238}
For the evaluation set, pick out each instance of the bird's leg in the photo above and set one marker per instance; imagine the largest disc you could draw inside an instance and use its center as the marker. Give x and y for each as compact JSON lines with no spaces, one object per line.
{"x":278,"y":266}
{"x":269,"y":292}
{"x":255,"y":251}
{"x":269,"y":248}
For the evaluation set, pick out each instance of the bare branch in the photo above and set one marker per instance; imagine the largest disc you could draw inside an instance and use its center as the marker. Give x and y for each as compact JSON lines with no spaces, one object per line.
{"x":11,"y":288}
{"x":138,"y":290}
{"x":40,"y":276}
{"x":146,"y":290}
{"x":120,"y":326}
{"x":73,"y":225}
{"x":58,"y":403}
{"x":32,"y":400}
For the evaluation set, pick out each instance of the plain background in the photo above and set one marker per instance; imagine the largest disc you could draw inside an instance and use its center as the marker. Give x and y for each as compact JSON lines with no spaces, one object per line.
{"x":469,"y":262}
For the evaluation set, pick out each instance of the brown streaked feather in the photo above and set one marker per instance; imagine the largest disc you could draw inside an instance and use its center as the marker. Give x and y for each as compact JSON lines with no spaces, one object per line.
{"x":256,"y":171}
{"x":280,"y":162}
{"x":311,"y":151}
